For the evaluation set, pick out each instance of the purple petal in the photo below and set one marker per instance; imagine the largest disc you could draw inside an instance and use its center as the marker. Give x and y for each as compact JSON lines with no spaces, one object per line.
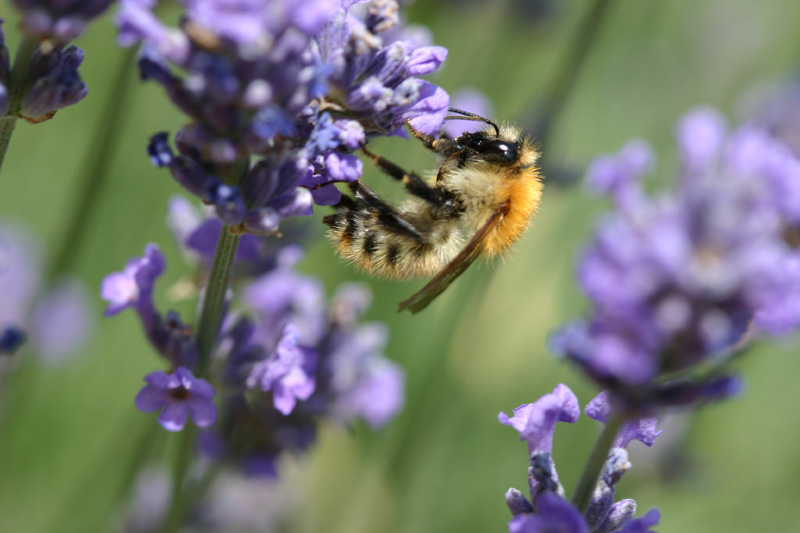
{"x":202,"y":410}
{"x":425,"y":60}
{"x":151,"y":398}
{"x":343,"y":167}
{"x":173,"y":417}
{"x":427,"y":115}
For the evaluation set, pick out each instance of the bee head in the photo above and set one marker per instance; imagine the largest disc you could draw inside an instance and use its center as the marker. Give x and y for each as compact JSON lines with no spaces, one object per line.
{"x":489,"y":148}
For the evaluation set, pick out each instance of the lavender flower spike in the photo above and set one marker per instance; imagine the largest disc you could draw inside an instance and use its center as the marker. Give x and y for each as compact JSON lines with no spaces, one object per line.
{"x":536,"y":422}
{"x":178,"y":395}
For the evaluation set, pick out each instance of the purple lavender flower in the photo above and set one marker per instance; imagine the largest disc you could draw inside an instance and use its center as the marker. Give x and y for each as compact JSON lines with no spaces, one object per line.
{"x":133,"y":287}
{"x":61,"y":320}
{"x":286,"y":372}
{"x":294,"y":362}
{"x":678,"y":279}
{"x":178,"y":395}
{"x":58,"y":21}
{"x":547,"y":508}
{"x":536,"y":422}
{"x":299,"y":85}
{"x":555,"y":514}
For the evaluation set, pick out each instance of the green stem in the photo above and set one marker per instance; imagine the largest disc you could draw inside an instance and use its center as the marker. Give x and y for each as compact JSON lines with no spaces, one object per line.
{"x":102,"y":148}
{"x":214,"y":298}
{"x":183,"y":458}
{"x":594,"y":466}
{"x":564,"y":81}
{"x":17,"y":87}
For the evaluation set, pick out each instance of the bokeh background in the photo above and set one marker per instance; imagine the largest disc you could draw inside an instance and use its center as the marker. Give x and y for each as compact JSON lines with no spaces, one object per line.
{"x":68,"y":432}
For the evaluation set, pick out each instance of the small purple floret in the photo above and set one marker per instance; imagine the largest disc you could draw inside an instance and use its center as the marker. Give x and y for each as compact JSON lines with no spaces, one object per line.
{"x":536,"y":422}
{"x":178,"y":395}
{"x":133,"y":287}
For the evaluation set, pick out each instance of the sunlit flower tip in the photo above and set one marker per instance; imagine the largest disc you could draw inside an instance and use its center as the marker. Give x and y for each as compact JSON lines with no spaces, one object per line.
{"x":58,"y":21}
{"x":536,"y":421}
{"x":619,"y":514}
{"x":54,"y":83}
{"x":178,"y":395}
{"x":11,"y":338}
{"x":642,"y":429}
{"x":517,"y":502}
{"x":134,"y":285}
{"x":554,"y":514}
{"x":287,"y":372}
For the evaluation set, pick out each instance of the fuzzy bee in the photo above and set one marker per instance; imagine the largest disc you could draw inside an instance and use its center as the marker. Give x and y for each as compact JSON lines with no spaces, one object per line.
{"x":482,"y":200}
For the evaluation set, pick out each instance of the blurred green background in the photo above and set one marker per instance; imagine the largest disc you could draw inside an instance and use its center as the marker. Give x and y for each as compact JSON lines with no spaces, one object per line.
{"x":67,"y":433}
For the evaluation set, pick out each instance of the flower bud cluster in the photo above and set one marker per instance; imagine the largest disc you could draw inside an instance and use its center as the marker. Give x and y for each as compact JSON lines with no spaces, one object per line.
{"x":546,"y":509}
{"x":284,"y":361}
{"x":49,"y":80}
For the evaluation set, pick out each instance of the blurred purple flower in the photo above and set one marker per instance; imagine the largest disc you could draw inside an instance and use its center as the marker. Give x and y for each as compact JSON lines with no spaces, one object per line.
{"x":58,"y":319}
{"x":178,"y":395}
{"x":61,"y":321}
{"x":286,"y":372}
{"x":57,"y":20}
{"x":312,"y":359}
{"x":677,"y":279}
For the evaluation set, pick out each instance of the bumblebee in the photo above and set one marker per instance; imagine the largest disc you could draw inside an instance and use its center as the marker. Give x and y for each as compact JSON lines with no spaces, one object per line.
{"x":484,"y":195}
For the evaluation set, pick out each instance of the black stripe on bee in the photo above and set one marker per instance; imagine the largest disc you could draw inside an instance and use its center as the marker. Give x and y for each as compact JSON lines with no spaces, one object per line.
{"x":393,"y":254}
{"x":370,"y":245}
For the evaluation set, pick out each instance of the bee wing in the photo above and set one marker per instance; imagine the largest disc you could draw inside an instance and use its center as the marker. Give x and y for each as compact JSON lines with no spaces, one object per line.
{"x":454,"y":268}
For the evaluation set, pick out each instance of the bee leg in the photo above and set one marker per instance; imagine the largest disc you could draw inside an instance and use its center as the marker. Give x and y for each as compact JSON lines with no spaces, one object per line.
{"x":443,"y":145}
{"x":385,"y":212}
{"x":413,"y":183}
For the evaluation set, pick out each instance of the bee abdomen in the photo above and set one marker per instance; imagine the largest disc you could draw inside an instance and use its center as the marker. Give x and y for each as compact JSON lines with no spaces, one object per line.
{"x":361,"y":239}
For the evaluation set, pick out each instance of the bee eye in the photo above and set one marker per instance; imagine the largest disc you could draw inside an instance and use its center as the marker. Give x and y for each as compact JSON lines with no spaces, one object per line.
{"x":498,"y":150}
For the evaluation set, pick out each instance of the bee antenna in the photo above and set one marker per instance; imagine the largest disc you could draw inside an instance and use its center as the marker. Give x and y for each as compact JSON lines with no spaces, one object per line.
{"x":466,"y":115}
